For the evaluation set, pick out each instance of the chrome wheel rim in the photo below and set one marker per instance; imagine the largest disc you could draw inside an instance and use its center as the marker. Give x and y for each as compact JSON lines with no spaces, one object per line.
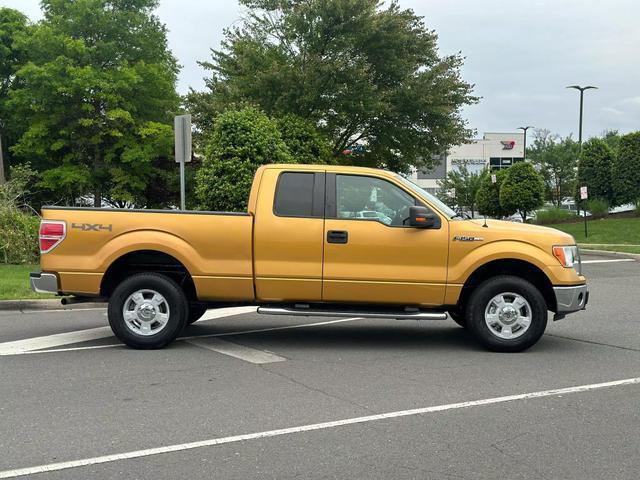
{"x":146,"y":312}
{"x":508,"y":315}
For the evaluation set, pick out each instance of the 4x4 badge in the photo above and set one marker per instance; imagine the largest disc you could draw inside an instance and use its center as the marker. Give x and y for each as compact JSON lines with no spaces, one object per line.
{"x":92,"y":227}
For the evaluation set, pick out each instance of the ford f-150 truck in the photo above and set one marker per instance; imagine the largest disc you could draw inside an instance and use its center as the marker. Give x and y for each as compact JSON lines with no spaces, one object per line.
{"x":310,"y":245}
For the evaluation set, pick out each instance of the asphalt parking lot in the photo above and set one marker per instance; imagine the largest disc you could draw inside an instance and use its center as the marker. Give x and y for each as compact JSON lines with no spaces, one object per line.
{"x":283,"y":397}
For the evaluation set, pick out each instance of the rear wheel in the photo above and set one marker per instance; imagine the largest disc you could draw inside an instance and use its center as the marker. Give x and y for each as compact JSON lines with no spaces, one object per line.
{"x":507,"y":314}
{"x":147,"y":310}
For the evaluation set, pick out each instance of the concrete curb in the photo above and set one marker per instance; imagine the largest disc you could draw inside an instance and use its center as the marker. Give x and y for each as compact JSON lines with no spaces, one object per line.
{"x":43,"y":305}
{"x":608,"y":253}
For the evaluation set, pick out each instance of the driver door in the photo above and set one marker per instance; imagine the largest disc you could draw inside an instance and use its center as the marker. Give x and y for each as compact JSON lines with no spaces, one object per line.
{"x":370,"y":255}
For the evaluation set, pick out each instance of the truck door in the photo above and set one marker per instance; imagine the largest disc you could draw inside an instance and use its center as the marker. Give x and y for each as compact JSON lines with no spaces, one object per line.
{"x":370,"y":255}
{"x":288,"y":232}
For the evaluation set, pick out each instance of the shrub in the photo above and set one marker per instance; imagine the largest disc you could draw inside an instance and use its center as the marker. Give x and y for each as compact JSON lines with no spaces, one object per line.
{"x":522,"y":189}
{"x":598,"y":207}
{"x":626,"y":169}
{"x":18,"y":230}
{"x":241,"y":141}
{"x":554,"y":215}
{"x":18,"y":237}
{"x":488,"y":196}
{"x":595,"y":169}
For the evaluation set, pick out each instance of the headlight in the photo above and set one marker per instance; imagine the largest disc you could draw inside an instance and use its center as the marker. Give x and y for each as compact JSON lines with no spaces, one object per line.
{"x":566,"y":255}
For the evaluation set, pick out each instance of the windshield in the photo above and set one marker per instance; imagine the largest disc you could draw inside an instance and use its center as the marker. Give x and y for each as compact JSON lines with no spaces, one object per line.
{"x":435,"y":201}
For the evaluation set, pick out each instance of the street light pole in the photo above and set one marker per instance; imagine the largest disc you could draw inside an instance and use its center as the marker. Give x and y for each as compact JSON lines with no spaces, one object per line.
{"x":581,"y":90}
{"x":524,"y":129}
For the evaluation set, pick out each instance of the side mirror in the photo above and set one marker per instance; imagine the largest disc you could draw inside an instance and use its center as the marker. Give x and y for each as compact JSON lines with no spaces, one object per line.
{"x":422,"y":217}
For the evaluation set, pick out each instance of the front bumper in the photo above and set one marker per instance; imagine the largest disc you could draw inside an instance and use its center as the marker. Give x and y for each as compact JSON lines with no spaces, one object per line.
{"x":571,"y":299}
{"x":43,"y":282}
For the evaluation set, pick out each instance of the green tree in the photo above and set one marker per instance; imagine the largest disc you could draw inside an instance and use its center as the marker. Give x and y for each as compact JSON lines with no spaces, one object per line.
{"x":595,"y":170}
{"x":12,"y":24}
{"x":488,"y":196}
{"x":241,"y":141}
{"x":100,"y":81}
{"x":522,"y":189}
{"x":557,"y":161}
{"x":364,"y":73}
{"x":626,"y":169}
{"x":303,"y":140}
{"x":459,"y":189}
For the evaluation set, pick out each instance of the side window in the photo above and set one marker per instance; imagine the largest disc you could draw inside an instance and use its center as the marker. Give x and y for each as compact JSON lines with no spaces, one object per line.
{"x":295,"y":195}
{"x":370,"y":198}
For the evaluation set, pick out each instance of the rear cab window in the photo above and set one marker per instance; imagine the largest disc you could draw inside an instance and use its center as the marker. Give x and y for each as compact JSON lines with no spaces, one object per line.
{"x":299,"y":194}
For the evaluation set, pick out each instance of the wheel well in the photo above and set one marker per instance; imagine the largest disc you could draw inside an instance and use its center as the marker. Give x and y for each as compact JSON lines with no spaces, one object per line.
{"x":517,"y":268}
{"x":147,"y":261}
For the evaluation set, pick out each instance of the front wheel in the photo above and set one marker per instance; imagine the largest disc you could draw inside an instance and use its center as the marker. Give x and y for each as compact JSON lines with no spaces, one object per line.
{"x":147,"y":310}
{"x":507,"y":314}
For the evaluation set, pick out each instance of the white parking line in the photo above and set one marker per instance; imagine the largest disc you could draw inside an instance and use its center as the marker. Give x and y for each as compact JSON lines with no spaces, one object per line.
{"x":241,"y":352}
{"x":51,"y":467}
{"x":613,"y":260}
{"x":49,"y":341}
{"x":23,"y":347}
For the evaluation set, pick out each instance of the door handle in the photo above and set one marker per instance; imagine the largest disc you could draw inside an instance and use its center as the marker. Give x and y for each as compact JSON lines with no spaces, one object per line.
{"x":337,"y":236}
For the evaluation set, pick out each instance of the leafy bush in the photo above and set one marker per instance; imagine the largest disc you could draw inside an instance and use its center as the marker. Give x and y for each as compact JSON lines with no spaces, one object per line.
{"x":18,"y":230}
{"x":18,"y":237}
{"x":554,"y":215}
{"x":303,"y":140}
{"x":626,"y":169}
{"x":488,"y":196}
{"x":595,"y":169}
{"x":522,"y":189}
{"x":598,"y":207}
{"x":241,"y":141}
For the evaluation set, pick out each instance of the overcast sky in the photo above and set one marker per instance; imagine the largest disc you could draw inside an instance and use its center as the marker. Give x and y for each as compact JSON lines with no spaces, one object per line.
{"x":520,"y":55}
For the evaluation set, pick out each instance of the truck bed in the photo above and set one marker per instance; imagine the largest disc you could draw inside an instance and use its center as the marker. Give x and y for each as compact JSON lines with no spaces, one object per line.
{"x":215,"y":247}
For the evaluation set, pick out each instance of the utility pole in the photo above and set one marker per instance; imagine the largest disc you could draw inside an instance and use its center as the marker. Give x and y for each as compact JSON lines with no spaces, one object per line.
{"x":582,"y":90}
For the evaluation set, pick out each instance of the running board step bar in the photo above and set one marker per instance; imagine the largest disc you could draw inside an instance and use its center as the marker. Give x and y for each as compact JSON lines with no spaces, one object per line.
{"x":398,"y":315}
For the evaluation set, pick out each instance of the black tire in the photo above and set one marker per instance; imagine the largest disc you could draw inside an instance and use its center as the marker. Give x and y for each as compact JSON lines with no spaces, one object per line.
{"x":458,"y":317}
{"x":196,"y":311}
{"x":175,"y":299}
{"x":480,"y":299}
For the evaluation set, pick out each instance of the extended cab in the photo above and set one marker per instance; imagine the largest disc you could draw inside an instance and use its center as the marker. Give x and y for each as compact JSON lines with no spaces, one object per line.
{"x":315,"y":240}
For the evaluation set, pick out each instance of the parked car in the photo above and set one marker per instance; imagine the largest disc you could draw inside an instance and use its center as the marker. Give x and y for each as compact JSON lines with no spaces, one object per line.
{"x":293,"y":252}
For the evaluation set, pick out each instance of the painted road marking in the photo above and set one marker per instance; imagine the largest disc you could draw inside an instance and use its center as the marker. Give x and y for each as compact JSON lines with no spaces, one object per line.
{"x":614,"y":260}
{"x":241,"y":352}
{"x":49,"y":341}
{"x":194,"y":337}
{"x":52,"y":467}
{"x":32,"y":345}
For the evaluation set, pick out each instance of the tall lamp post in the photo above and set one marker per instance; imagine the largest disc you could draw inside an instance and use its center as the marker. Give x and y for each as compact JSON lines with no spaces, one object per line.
{"x":581,"y":90}
{"x":524,"y":129}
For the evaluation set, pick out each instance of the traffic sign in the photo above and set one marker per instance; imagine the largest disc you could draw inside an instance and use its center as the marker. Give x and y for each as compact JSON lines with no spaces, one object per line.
{"x":583,"y":193}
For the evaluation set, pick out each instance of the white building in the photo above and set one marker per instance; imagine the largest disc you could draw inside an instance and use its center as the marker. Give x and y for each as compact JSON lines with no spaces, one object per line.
{"x":493,"y":150}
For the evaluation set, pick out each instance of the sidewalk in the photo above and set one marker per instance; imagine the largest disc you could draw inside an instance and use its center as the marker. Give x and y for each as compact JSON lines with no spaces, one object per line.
{"x":53,"y":304}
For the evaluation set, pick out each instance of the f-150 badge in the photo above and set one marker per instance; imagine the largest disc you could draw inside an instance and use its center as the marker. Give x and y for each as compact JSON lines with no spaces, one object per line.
{"x":464,"y":238}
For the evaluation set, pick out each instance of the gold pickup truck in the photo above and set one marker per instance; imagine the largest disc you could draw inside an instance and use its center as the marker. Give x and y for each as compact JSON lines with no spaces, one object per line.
{"x":316,"y":240}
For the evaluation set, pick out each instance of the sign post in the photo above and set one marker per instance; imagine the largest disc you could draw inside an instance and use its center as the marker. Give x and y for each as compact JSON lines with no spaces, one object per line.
{"x":182,"y":124}
{"x":584,"y":195}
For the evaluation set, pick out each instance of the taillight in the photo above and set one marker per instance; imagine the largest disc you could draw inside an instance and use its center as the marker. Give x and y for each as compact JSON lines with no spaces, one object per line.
{"x":52,"y":232}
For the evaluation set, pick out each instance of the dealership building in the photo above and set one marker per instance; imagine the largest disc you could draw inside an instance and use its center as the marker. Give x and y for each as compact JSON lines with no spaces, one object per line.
{"x":493,"y":150}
